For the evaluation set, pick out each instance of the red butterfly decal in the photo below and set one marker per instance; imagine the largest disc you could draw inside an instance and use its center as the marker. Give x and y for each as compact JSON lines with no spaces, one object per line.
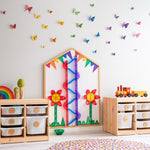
{"x":28,"y":8}
{"x":136,"y":35}
{"x":138,"y":23}
{"x":13,"y":26}
{"x":3,"y":12}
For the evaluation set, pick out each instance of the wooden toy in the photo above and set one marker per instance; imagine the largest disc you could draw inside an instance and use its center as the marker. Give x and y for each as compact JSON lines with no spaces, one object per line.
{"x":21,"y":84}
{"x":16,"y":91}
{"x":24,"y":120}
{"x":72,"y":84}
{"x":6,"y":93}
{"x":125,"y":116}
{"x":125,"y":91}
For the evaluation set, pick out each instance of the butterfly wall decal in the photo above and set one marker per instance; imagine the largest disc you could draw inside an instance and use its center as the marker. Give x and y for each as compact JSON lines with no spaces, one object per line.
{"x":37,"y":16}
{"x":50,"y":11}
{"x":43,"y":46}
{"x":107,"y":42}
{"x":125,"y":24}
{"x":61,"y":22}
{"x":75,"y":11}
{"x":139,"y":23}
{"x":135,"y":50}
{"x":95,"y":51}
{"x":13,"y":26}
{"x":132,"y":8}
{"x":123,"y":37}
{"x":116,"y":16}
{"x":73,"y":36}
{"x":109,"y":28}
{"x":3,"y":12}
{"x":86,"y":40}
{"x":136,"y":35}
{"x":53,"y":39}
{"x":113,"y":54}
{"x":44,"y":26}
{"x":28,"y":8}
{"x":92,"y":18}
{"x":79,"y":25}
{"x":34,"y":37}
{"x":91,"y":5}
{"x":98,"y":34}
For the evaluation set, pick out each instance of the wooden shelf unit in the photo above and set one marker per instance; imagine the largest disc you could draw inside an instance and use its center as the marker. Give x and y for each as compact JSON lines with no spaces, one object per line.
{"x":110,"y":115}
{"x":25,"y":137}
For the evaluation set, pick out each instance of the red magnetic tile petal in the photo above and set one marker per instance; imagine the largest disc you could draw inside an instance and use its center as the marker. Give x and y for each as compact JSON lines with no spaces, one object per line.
{"x":87,"y":91}
{"x":59,"y":92}
{"x":94,"y":91}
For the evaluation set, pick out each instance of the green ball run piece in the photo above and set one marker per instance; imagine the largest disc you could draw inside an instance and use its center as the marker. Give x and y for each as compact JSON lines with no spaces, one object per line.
{"x":21,"y":83}
{"x":16,"y":90}
{"x":59,"y":131}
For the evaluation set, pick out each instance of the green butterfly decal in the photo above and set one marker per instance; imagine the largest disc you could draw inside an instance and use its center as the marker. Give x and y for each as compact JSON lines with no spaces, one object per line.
{"x":75,"y":11}
{"x":79,"y":25}
{"x":73,"y":36}
{"x":91,"y":5}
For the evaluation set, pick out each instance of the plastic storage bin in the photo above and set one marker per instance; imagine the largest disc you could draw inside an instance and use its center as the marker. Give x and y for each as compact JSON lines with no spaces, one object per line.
{"x":17,"y":131}
{"x":125,"y":107}
{"x":32,"y":110}
{"x":143,"y":106}
{"x":143,"y":124}
{"x":12,"y":110}
{"x":36,"y":124}
{"x":143,"y":115}
{"x":11,"y":121}
{"x":124,"y":120}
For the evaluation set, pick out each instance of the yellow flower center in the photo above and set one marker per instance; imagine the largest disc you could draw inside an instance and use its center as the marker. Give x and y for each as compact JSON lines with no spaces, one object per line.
{"x":55,"y":97}
{"x":90,"y":97}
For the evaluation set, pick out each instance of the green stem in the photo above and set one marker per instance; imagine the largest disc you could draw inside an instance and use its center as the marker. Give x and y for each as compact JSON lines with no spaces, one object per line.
{"x":55,"y":113}
{"x":90,"y":112}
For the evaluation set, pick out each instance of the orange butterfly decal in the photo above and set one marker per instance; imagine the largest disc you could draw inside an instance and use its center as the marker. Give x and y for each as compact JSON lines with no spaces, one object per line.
{"x":53,"y":40}
{"x":37,"y":16}
{"x":61,"y":22}
{"x":43,"y":46}
{"x":13,"y":26}
{"x":50,"y":11}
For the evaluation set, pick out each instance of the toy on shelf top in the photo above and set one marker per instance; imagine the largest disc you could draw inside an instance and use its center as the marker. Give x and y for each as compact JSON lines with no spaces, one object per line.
{"x":6,"y":93}
{"x":21,"y":84}
{"x":125,"y":91}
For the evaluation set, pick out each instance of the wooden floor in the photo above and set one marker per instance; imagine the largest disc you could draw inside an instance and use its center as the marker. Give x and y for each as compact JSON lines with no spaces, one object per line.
{"x":73,"y":134}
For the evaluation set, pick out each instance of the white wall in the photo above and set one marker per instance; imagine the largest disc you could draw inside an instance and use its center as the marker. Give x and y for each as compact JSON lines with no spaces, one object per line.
{"x":20,"y":57}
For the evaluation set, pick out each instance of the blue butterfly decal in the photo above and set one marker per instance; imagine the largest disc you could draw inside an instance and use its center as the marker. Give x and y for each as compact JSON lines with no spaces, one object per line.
{"x":98,"y":34}
{"x":95,"y":51}
{"x":91,"y":18}
{"x":86,"y":40}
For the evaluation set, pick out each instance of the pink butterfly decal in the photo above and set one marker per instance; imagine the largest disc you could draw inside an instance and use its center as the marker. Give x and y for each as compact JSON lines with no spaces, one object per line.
{"x":109,"y":28}
{"x":107,"y":42}
{"x":28,"y":8}
{"x":136,"y":35}
{"x":125,"y":25}
{"x":3,"y":12}
{"x":123,"y":37}
{"x":132,"y":8}
{"x":139,"y":23}
{"x":113,"y":54}
{"x":13,"y":26}
{"x":135,"y":50}
{"x":116,"y":16}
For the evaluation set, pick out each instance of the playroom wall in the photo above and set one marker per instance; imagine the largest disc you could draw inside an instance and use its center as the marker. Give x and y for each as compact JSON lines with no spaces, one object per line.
{"x":20,"y":57}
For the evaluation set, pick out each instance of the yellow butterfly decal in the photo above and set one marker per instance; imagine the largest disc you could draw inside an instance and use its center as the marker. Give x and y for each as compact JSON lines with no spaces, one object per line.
{"x":50,"y":11}
{"x":61,"y":22}
{"x":53,"y":40}
{"x":44,"y":26}
{"x":33,"y":37}
{"x":43,"y":46}
{"x":37,"y":16}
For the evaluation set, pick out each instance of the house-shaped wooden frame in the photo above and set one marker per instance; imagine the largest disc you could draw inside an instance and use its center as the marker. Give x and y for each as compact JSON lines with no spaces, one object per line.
{"x":72,"y":84}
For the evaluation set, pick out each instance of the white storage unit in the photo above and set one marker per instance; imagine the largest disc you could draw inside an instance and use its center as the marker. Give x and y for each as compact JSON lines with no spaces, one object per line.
{"x":143,"y":124}
{"x":13,"y":110}
{"x":143,"y":106}
{"x":32,"y":110}
{"x":124,"y":120}
{"x":143,"y":115}
{"x":125,"y":107}
{"x":36,"y":124}
{"x":12,"y":121}
{"x":16,"y":131}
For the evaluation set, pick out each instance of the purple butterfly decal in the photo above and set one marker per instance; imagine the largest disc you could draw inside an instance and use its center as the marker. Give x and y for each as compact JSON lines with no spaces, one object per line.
{"x":116,"y":16}
{"x":123,"y":37}
{"x":109,"y":28}
{"x":113,"y":54}
{"x":125,"y":25}
{"x":132,"y":8}
{"x":107,"y":42}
